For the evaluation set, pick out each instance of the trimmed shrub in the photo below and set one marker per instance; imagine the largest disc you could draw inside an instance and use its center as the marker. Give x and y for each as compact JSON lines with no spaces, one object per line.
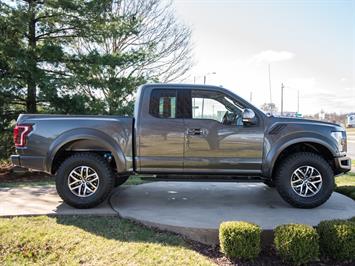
{"x":296,"y":243}
{"x":337,"y":239}
{"x":240,"y":239}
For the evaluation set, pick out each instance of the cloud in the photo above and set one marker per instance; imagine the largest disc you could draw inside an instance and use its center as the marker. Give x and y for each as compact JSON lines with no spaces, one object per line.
{"x":269,"y":56}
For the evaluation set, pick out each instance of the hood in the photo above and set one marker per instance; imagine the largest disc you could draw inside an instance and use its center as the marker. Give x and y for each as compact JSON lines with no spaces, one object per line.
{"x":306,"y":121}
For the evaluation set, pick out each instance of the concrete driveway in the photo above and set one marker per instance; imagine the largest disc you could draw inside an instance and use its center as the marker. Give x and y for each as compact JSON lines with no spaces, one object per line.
{"x":196,"y":209}
{"x":42,"y":201}
{"x":193,"y":209}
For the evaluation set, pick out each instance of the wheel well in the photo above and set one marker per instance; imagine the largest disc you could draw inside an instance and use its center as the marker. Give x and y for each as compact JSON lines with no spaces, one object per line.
{"x":305,"y":147}
{"x":81,"y":146}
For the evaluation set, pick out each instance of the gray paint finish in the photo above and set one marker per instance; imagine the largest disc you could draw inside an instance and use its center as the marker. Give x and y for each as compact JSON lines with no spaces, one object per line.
{"x":147,"y":144}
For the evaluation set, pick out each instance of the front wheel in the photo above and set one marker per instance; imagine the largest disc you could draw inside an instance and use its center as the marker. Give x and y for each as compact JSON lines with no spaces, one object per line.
{"x":84,"y":180}
{"x":305,"y":180}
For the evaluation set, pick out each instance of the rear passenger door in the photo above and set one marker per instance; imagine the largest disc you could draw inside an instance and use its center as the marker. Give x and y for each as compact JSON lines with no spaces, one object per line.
{"x":160,"y":132}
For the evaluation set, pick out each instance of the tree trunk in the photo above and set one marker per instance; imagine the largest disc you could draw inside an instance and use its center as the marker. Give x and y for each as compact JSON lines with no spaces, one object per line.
{"x":31,"y":102}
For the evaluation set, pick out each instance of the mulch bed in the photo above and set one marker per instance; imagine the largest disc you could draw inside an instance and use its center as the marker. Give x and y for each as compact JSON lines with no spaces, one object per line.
{"x":7,"y":174}
{"x":267,"y":256}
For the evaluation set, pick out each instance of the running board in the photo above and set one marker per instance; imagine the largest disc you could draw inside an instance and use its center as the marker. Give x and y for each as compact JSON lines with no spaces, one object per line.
{"x":205,"y":178}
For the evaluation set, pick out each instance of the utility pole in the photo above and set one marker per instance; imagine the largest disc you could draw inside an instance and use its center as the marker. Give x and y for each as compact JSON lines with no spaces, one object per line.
{"x":298,"y":101}
{"x":194,"y":79}
{"x":251,"y":96}
{"x":282,"y":98}
{"x":270,"y":84}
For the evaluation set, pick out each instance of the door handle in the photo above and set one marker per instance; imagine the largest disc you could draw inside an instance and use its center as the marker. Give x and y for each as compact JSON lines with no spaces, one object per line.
{"x":197,"y":131}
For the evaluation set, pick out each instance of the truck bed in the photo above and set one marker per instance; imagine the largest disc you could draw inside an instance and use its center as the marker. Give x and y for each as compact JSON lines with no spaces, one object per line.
{"x":52,"y":132}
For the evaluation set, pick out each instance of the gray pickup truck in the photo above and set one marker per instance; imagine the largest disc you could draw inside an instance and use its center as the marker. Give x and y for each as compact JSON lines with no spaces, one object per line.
{"x":185,"y":132}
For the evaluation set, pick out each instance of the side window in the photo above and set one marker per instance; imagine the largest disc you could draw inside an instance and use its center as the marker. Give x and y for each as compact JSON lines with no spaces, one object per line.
{"x":216,"y":106}
{"x":163,"y":103}
{"x":206,"y":108}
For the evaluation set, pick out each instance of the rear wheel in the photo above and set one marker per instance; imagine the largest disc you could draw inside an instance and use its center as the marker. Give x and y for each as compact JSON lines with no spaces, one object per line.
{"x":304,"y":180}
{"x":84,"y":180}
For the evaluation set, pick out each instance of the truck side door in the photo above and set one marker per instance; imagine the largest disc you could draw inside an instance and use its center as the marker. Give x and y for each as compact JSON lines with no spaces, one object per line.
{"x":160,"y":132}
{"x":216,"y":143}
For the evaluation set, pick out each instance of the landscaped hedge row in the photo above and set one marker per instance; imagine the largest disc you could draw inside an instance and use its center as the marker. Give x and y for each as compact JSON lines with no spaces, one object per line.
{"x":240,"y":239}
{"x":295,"y":243}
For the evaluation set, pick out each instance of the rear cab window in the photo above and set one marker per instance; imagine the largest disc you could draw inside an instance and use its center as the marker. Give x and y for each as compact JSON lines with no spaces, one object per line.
{"x":165,"y":103}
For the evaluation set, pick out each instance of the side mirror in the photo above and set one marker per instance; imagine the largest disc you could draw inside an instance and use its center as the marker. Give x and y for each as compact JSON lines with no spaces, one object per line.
{"x":249,"y":117}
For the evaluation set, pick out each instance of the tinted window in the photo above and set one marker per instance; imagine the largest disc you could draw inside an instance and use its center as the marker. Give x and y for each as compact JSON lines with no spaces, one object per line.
{"x":163,"y":103}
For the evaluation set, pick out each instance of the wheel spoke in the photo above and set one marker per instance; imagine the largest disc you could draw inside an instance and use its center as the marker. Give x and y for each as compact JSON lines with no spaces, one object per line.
{"x":76,"y":173}
{"x":312,"y":184}
{"x":309,"y":187}
{"x":79,"y":190}
{"x":93,"y":180}
{"x":73,"y":177}
{"x":90,"y":189}
{"x":93,"y":174}
{"x":296,"y":181}
{"x":299,"y":172}
{"x":74,"y":182}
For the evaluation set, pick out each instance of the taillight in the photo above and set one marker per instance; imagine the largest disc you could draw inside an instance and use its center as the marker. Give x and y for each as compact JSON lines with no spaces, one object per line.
{"x":20,"y":134}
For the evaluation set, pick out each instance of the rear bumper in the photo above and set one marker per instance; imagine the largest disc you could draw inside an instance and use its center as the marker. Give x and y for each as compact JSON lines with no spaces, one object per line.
{"x":30,"y":162}
{"x":15,"y":159}
{"x":342,"y":164}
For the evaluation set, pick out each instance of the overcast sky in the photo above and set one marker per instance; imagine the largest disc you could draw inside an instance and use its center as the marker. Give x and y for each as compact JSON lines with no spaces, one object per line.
{"x":310,"y":46}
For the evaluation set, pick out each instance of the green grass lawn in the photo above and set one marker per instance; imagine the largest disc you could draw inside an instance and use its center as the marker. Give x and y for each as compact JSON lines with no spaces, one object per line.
{"x":346,"y":185}
{"x":90,"y":241}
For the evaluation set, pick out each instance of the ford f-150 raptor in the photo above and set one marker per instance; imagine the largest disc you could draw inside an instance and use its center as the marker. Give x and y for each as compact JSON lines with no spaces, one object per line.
{"x":187,"y":132}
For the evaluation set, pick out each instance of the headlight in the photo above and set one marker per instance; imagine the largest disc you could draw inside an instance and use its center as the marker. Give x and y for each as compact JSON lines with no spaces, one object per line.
{"x":340,"y":137}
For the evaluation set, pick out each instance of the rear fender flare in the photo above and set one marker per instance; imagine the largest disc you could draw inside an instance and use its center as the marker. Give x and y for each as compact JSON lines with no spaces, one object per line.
{"x":86,"y":134}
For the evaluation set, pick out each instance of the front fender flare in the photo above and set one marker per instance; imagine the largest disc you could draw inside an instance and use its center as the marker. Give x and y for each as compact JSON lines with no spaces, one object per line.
{"x":273,"y":154}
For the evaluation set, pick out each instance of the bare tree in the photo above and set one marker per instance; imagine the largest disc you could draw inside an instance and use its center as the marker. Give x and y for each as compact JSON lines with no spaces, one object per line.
{"x":143,"y":42}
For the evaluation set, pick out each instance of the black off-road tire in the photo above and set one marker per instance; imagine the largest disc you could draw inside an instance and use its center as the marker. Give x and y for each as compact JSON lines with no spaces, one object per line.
{"x":102,"y":168}
{"x":120,"y":179}
{"x":289,"y":165}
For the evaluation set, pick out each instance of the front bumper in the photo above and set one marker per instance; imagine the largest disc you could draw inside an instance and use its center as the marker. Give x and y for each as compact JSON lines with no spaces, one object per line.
{"x":342,"y":164}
